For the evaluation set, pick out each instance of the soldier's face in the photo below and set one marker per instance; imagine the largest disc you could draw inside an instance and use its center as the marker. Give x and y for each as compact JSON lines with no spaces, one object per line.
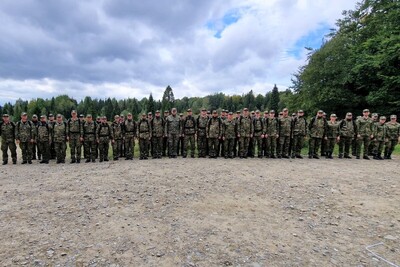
{"x":73,"y":115}
{"x":300,"y":114}
{"x":349,"y":117}
{"x":6,"y":119}
{"x":89,"y":119}
{"x":393,"y":119}
{"x":24,"y":118}
{"x":382,"y":121}
{"x":189,"y":113}
{"x":129,"y":117}
{"x":285,"y":113}
{"x":246,"y":113}
{"x":51,"y":118}
{"x":43,"y":119}
{"x":59,"y":119}
{"x":333,"y":119}
{"x":366,"y":113}
{"x":174,"y":112}
{"x":158,"y":114}
{"x":320,"y":114}
{"x":271,"y":115}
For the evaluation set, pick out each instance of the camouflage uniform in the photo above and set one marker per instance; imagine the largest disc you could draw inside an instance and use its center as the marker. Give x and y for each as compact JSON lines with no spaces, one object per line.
{"x":89,"y":140}
{"x":229,"y":134}
{"x":317,"y":130}
{"x":393,"y":133}
{"x":59,"y":139}
{"x":144,"y":133}
{"x":129,"y":131}
{"x":25,"y":132}
{"x":259,"y":130}
{"x":189,"y":129}
{"x":44,"y":140}
{"x":173,"y":130}
{"x":157,"y":136}
{"x":7,"y":133}
{"x":380,"y":135}
{"x":75,"y":133}
{"x":347,"y":131}
{"x":104,"y":135}
{"x":271,"y":132}
{"x":52,"y":148}
{"x":332,"y":134}
{"x":117,"y":146}
{"x":245,"y":131}
{"x":36,"y":153}
{"x":284,"y":131}
{"x":299,"y":128}
{"x":365,"y":128}
{"x":213,"y":134}
{"x":202,"y":135}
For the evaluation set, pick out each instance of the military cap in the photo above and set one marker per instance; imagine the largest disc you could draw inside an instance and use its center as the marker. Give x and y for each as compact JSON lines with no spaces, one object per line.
{"x":59,"y":116}
{"x":238,"y":112}
{"x":98,"y":118}
{"x":181,"y":114}
{"x":366,"y":110}
{"x":224,"y":110}
{"x":266,"y":112}
{"x":324,"y":113}
{"x":24,"y":114}
{"x":320,"y":111}
{"x":189,"y":110}
{"x":166,"y":111}
{"x":294,"y":114}
{"x":230,"y":113}
{"x":214,"y":112}
{"x":374,"y":115}
{"x":208,"y":112}
{"x":88,"y":116}
{"x":73,"y":111}
{"x":51,"y":115}
{"x":393,"y":116}
{"x":252,"y":112}
{"x":203,"y":109}
{"x":285,"y":109}
{"x":280,"y":113}
{"x":272,"y":111}
{"x":5,"y":115}
{"x":349,"y":114}
{"x":150,"y":113}
{"x":333,"y":115}
{"x":382,"y":118}
{"x":43,"y":116}
{"x":257,"y":111}
{"x":300,"y":111}
{"x":143,"y":114}
{"x":245,"y":109}
{"x":157,"y":111}
{"x":81,"y":116}
{"x":34,"y":116}
{"x":116,"y":116}
{"x":104,"y":117}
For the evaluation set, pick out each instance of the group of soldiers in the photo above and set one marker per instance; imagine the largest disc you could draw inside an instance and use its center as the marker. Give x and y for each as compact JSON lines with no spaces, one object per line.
{"x":242,"y":134}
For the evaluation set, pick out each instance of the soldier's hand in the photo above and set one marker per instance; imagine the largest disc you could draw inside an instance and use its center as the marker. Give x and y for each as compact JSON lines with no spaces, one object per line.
{"x":112,"y":141}
{"x":262,"y":136}
{"x":277,"y":136}
{"x":18,"y":141}
{"x":67,"y":138}
{"x":81,"y":139}
{"x":372,"y":136}
{"x":326,"y":138}
{"x":223,"y":138}
{"x":338,"y":138}
{"x":358,"y":135}
{"x":32,"y":141}
{"x":98,"y":141}
{"x":238,"y":135}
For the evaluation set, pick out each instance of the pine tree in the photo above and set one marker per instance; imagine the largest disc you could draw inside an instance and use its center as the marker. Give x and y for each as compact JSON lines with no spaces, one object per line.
{"x":275,"y":99}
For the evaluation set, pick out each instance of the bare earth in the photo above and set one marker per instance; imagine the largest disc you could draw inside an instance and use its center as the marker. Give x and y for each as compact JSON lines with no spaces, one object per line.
{"x":201,"y":212}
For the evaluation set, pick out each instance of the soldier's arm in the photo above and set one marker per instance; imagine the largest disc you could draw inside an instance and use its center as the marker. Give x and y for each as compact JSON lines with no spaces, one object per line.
{"x":166,"y":127}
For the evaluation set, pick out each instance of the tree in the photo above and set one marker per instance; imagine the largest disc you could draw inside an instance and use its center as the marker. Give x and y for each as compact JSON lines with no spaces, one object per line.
{"x":275,"y":99}
{"x":151,"y":104}
{"x":168,"y":99}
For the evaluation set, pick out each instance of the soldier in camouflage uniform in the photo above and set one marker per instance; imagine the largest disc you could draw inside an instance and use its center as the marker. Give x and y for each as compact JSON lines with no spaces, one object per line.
{"x":264,"y":140}
{"x":144,"y":134}
{"x":229,"y":134}
{"x":51,"y":123}
{"x":324,"y":141}
{"x":7,"y":133}
{"x":44,"y":139}
{"x":236,"y":145}
{"x":201,"y":123}
{"x":117,"y":132}
{"x":380,"y":137}
{"x":284,"y":132}
{"x":129,"y":132}
{"x":75,"y":137}
{"x":121,"y":121}
{"x":157,"y":135}
{"x":375,"y":120}
{"x":59,"y":137}
{"x":172,"y":131}
{"x":347,"y":131}
{"x":259,"y":133}
{"x":271,"y":134}
{"x":365,"y":128}
{"x":221,"y":146}
{"x":332,"y":134}
{"x":393,"y":135}
{"x":214,"y":126}
{"x":104,"y":135}
{"x":89,"y":138}
{"x":317,"y":129}
{"x":299,"y":128}
{"x":165,"y":138}
{"x":245,"y":131}
{"x":25,"y":133}
{"x":189,"y":129}
{"x":36,"y":154}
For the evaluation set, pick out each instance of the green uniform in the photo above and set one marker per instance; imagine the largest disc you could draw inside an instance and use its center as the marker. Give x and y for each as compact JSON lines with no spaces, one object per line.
{"x":74,"y":134}
{"x":144,"y":133}
{"x":347,"y":131}
{"x":25,"y":133}
{"x":202,"y":135}
{"x":259,"y":130}
{"x":129,"y":131}
{"x":317,"y":130}
{"x":173,"y":130}
{"x":245,"y":131}
{"x":52,"y":147}
{"x":393,"y":133}
{"x":189,"y":131}
{"x":332,"y":133}
{"x":284,"y":130}
{"x":299,"y":128}
{"x":271,"y":132}
{"x":59,"y":140}
{"x":157,"y":128}
{"x":89,"y":140}
{"x":229,"y":133}
{"x":380,"y":135}
{"x":117,"y":146}
{"x":44,"y":140}
{"x":214,"y":130}
{"x":7,"y":133}
{"x":104,"y":135}
{"x":365,"y":128}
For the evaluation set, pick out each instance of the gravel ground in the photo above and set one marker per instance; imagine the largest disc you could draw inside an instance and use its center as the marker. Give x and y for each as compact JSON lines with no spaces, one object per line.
{"x":201,"y":212}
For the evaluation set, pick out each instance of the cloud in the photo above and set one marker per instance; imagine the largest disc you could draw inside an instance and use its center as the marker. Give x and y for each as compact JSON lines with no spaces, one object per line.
{"x":122,"y":48}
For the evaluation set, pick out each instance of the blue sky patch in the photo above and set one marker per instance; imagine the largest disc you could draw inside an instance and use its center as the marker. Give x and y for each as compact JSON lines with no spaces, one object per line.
{"x":218,"y":26}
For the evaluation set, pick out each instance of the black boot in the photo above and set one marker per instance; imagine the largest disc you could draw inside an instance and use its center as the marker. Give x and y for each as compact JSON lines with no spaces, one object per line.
{"x":5,"y":162}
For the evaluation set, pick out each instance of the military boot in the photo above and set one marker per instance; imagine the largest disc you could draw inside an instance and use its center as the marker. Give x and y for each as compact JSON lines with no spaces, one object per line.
{"x":5,"y":162}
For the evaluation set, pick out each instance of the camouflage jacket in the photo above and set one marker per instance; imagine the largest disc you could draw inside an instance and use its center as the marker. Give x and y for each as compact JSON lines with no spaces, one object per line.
{"x":271,"y":127}
{"x":365,"y":126}
{"x":318,"y":127}
{"x":59,"y":132}
{"x":380,"y":131}
{"x":25,"y":131}
{"x":285,"y":126}
{"x":7,"y":132}
{"x":393,"y":130}
{"x":214,"y":126}
{"x":157,"y":127}
{"x":104,"y":132}
{"x":74,"y":128}
{"x":348,"y":128}
{"x":144,"y":129}
{"x":117,"y":130}
{"x":43,"y":132}
{"x":89,"y":131}
{"x":332,"y":131}
{"x":189,"y":126}
{"x":202,"y":125}
{"x":258,"y":126}
{"x":129,"y":128}
{"x":299,"y":126}
{"x":172,"y":125}
{"x":245,"y":126}
{"x":229,"y":129}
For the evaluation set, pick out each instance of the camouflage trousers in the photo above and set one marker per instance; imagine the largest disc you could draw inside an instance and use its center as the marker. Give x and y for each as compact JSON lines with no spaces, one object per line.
{"x":165,"y":146}
{"x":324,"y":147}
{"x":60,"y":148}
{"x":144,"y":147}
{"x":13,"y":149}
{"x":270,"y":146}
{"x":244,"y":146}
{"x":229,"y":144}
{"x":315,"y":144}
{"x":104,"y":145}
{"x":344,"y":146}
{"x":378,"y":147}
{"x":188,"y":143}
{"x":363,"y":141}
{"x":36,"y":153}
{"x":297,"y":144}
{"x":26,"y":148}
{"x":117,"y":148}
{"x":250,"y":150}
{"x":173,"y":140}
{"x":129,"y":147}
{"x":157,"y":146}
{"x":284,"y":143}
{"x":389,"y":147}
{"x":75,"y":146}
{"x":257,"y":143}
{"x":202,"y":145}
{"x":354,"y":146}
{"x":213,"y":144}
{"x":44,"y":147}
{"x":330,"y":145}
{"x":90,"y":148}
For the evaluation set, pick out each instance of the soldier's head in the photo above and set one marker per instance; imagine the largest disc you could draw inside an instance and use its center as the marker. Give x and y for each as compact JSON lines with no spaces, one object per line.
{"x":393,"y":118}
{"x":98,"y":119}
{"x":281,"y":114}
{"x":272,"y":113}
{"x":89,"y":118}
{"x":252,"y":113}
{"x":74,"y":114}
{"x":6,"y":118}
{"x":149,"y":115}
{"x":300,"y":113}
{"x":214,"y":114}
{"x":203,"y":112}
{"x":143,"y":116}
{"x":129,"y":116}
{"x":121,"y":118}
{"x":81,"y":117}
{"x":104,"y":119}
{"x":366,"y":112}
{"x":24,"y":116}
{"x":51,"y":117}
{"x":189,"y":112}
{"x":285,"y":112}
{"x":174,"y":111}
{"x":294,"y":114}
{"x":382,"y":119}
{"x":158,"y":114}
{"x":166,"y":113}
{"x":59,"y":118}
{"x":375,"y":116}
{"x":258,"y":114}
{"x":34,"y":118}
{"x":43,"y":118}
{"x":245,"y":112}
{"x":116,"y":118}
{"x":320,"y":113}
{"x":230,"y":115}
{"x":349,"y":116}
{"x":208,"y":113}
{"x":333,"y":117}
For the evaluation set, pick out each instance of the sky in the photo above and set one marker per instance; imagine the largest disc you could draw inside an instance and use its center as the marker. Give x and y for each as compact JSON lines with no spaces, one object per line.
{"x":128,"y":48}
